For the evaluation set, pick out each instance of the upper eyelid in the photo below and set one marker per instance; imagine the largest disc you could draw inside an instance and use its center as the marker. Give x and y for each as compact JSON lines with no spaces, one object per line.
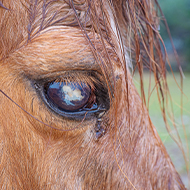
{"x":89,"y":77}
{"x":52,"y":74}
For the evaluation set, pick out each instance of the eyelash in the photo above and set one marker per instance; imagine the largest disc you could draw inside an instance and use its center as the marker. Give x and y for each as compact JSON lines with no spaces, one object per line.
{"x":97,"y":102}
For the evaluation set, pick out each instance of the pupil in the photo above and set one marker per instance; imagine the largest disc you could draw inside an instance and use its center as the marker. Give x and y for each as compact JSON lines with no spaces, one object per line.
{"x":68,"y":96}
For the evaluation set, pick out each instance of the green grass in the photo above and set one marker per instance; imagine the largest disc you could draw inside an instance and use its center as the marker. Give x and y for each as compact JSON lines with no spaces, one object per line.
{"x":156,"y":116}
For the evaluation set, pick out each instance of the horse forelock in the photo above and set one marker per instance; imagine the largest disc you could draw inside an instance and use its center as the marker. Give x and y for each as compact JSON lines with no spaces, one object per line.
{"x":27,"y":18}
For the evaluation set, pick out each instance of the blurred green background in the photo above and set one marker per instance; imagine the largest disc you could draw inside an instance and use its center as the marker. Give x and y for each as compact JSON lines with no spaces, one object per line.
{"x":177,"y":14}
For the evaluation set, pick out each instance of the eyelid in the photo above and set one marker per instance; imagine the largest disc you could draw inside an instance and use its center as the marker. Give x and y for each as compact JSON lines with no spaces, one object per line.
{"x":74,"y":76}
{"x":78,"y":77}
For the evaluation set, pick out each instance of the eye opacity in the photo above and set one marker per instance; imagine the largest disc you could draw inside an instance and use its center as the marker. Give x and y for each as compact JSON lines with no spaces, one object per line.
{"x":70,"y":97}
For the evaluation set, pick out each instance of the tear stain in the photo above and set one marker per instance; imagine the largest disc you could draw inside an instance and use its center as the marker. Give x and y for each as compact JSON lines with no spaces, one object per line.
{"x":100,"y":127}
{"x":99,"y":130}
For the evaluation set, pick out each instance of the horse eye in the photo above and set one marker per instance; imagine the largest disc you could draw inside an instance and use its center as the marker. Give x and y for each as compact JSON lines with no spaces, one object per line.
{"x":75,"y":96}
{"x":69,"y":96}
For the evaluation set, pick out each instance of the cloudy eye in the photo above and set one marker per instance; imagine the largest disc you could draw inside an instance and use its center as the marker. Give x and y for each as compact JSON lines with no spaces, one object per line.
{"x":70,"y":96}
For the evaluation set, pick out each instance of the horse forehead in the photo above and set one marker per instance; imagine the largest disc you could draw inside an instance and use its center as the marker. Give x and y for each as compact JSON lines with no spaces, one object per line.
{"x":115,"y":37}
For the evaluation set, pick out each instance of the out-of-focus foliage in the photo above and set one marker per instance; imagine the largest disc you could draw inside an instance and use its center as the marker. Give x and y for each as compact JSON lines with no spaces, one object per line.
{"x":177,"y":14}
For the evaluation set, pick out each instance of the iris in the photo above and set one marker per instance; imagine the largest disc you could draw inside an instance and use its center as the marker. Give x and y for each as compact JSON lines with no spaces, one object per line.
{"x":70,"y":96}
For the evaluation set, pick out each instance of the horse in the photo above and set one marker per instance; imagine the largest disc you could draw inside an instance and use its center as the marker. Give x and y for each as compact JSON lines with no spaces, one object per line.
{"x":70,"y":115}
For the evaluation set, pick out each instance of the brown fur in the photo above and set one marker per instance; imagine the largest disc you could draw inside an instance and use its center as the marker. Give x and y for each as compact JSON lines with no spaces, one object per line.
{"x":43,"y":40}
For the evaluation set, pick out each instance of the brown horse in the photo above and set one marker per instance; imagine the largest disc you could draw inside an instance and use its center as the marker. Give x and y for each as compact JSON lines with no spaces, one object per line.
{"x":70,"y":115}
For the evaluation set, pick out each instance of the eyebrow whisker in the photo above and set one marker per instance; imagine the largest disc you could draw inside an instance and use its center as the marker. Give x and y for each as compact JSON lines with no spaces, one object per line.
{"x":2,"y":6}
